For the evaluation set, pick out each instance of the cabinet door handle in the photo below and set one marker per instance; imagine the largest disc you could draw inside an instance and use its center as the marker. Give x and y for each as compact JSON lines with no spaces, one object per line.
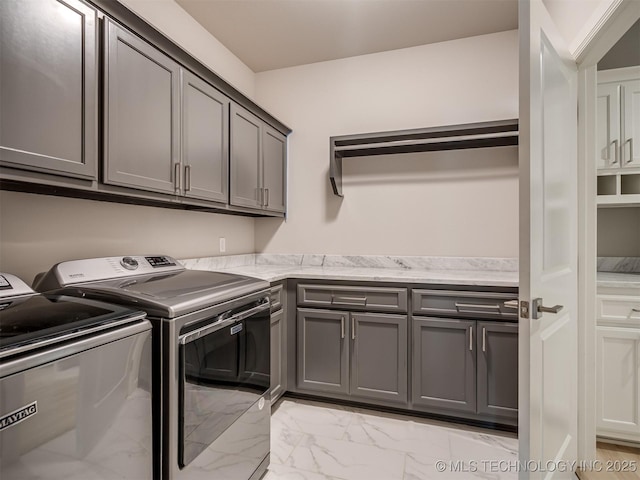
{"x":636,"y":310}
{"x":187,"y":178}
{"x":177,"y":174}
{"x":471,"y":338}
{"x":266,"y":197}
{"x":342,"y":326}
{"x":616,"y":152}
{"x":353,"y":328}
{"x":630,"y":142}
{"x":484,"y":339}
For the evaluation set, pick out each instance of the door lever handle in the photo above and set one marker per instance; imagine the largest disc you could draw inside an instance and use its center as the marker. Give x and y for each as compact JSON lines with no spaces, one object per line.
{"x":538,"y":309}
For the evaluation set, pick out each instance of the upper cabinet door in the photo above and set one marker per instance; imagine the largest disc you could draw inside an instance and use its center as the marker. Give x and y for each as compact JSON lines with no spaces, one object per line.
{"x":142,"y":117}
{"x":608,"y":125}
{"x":630,"y":148}
{"x":205,"y":141}
{"x":274,"y":148}
{"x":246,"y":154}
{"x":48,"y":86}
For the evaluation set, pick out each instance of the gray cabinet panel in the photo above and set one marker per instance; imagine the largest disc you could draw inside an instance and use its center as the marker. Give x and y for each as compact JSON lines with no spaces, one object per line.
{"x":322,"y":361}
{"x":142,"y":88}
{"x":274,"y":147}
{"x":379,"y":356}
{"x":48,"y":87}
{"x":444,"y":364}
{"x":205,"y":140}
{"x":463,"y":304}
{"x":497,"y":350}
{"x":277,"y":360}
{"x":354,"y":298}
{"x":246,"y":153}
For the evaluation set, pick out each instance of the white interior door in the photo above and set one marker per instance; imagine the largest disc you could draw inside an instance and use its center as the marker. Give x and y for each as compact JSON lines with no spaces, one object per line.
{"x":548,"y":358}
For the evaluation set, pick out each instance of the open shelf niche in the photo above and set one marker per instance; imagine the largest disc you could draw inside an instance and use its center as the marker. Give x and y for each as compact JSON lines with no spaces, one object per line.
{"x":453,"y":137}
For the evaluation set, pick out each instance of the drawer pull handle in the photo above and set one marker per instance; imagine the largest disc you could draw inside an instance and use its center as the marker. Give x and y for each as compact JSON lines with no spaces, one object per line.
{"x":471,"y":338}
{"x":349,"y":300}
{"x":637,"y":310}
{"x":471,"y":305}
{"x":342,"y":326}
{"x":353,"y":328}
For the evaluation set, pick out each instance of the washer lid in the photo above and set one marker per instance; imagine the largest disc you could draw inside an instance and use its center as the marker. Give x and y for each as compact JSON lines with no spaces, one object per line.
{"x":171,"y":294}
{"x":36,"y":321}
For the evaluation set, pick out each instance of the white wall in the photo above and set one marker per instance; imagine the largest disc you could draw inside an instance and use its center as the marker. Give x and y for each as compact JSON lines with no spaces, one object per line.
{"x":453,"y":204}
{"x":37,"y":231}
{"x":171,"y":19}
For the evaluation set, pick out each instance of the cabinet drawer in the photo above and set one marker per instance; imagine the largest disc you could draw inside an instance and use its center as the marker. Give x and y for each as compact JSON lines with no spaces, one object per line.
{"x":276,"y":298}
{"x":385,"y":299}
{"x":618,"y":310}
{"x":451,"y":303}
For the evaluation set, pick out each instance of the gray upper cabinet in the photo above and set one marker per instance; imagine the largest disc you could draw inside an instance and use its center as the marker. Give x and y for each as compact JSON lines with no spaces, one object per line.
{"x":142,"y":114}
{"x":274,"y":148}
{"x":48,"y":87}
{"x":258,"y":163}
{"x":444,"y":364}
{"x":246,"y":155}
{"x":497,"y":350}
{"x":205,"y":140}
{"x":379,"y":356}
{"x":323,"y":357}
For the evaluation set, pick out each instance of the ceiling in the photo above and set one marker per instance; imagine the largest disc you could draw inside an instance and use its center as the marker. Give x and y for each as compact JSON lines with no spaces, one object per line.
{"x":272,"y":34}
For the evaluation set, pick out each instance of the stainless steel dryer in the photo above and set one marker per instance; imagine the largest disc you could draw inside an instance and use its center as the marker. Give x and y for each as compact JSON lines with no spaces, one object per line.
{"x":75,"y":387}
{"x":211,"y":358}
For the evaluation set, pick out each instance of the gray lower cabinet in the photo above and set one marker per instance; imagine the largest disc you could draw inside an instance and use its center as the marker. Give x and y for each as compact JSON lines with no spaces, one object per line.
{"x":49,"y":87}
{"x":497,"y":347}
{"x":444,"y":364}
{"x":142,"y":114}
{"x":323,"y":351}
{"x":363,"y":355}
{"x":205,"y":140}
{"x":278,"y":373}
{"x":258,"y":163}
{"x":379,"y":356}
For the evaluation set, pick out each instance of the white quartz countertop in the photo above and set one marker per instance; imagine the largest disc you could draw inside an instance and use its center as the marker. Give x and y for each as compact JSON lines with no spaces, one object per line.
{"x":618,"y":280}
{"x":403,"y":274}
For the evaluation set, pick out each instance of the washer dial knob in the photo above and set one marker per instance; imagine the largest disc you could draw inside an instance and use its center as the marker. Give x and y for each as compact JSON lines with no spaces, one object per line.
{"x":129,"y":263}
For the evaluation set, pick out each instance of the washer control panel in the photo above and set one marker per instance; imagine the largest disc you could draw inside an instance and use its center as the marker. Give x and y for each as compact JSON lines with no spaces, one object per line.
{"x":12,"y":286}
{"x":106,"y":268}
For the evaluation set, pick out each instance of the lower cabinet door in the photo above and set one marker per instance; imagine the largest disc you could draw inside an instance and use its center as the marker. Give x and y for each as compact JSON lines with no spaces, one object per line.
{"x":322,"y":350}
{"x":497,"y":355}
{"x":277,"y":361}
{"x":444,"y":365}
{"x":379,"y":356}
{"x":618,"y":383}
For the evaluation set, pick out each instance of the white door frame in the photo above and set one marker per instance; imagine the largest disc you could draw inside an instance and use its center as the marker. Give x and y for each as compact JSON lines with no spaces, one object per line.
{"x":611,"y":23}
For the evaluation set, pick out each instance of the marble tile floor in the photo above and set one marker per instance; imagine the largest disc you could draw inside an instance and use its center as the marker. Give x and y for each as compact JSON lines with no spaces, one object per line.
{"x":322,"y":441}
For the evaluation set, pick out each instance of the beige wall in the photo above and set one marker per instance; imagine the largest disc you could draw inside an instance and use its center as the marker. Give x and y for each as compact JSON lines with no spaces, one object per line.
{"x":619,"y":232}
{"x":461,"y":203}
{"x":37,"y":231}
{"x":171,"y":19}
